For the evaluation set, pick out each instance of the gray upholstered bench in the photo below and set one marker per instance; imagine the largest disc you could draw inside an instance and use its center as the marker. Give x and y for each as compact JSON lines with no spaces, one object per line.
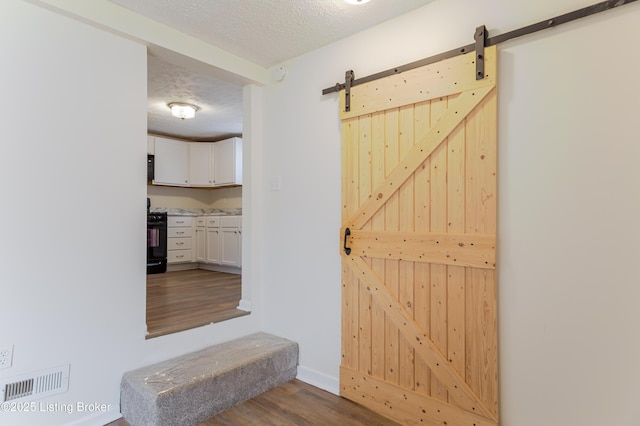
{"x":197,"y":386}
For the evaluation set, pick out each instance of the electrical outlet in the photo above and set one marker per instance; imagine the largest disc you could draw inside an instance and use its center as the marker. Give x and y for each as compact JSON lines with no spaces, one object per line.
{"x":6,"y":356}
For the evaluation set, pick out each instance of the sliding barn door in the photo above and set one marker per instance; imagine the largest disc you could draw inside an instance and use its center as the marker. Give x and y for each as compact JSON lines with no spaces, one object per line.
{"x":419,"y":326}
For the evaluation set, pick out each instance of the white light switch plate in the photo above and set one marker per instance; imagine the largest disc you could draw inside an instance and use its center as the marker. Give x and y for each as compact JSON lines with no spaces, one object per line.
{"x":275,"y":183}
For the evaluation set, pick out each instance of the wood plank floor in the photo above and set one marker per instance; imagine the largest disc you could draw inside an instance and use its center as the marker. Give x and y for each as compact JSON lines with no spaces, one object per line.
{"x":294,"y":404}
{"x":181,"y":300}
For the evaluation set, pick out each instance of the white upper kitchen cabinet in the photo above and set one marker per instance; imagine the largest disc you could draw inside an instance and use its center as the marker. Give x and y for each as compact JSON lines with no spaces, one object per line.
{"x":227,"y":158}
{"x":200,"y":164}
{"x":171,"y":162}
{"x":197,"y":164}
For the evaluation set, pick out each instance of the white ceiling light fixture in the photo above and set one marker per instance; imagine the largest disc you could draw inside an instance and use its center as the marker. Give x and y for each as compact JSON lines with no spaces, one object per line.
{"x":182,"y":110}
{"x":357,"y":1}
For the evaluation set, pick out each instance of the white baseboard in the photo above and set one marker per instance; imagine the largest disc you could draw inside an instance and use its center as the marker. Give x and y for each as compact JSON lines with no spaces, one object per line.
{"x":220,"y":268}
{"x":97,"y":419}
{"x":244,"y":305}
{"x":209,"y":267}
{"x":319,"y":380}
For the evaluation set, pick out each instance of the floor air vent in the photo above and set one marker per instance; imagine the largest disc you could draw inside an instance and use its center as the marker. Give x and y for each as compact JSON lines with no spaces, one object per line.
{"x":35,"y":385}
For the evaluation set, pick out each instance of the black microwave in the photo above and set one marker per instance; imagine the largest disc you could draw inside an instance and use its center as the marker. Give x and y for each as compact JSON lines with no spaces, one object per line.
{"x":150,"y":167}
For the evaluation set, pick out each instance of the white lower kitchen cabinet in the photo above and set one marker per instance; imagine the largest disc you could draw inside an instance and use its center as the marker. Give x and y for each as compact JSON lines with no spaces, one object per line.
{"x":213,"y":240}
{"x":205,"y":241}
{"x":223,"y":241}
{"x":213,"y":246}
{"x":201,"y":240}
{"x":231,"y":237}
{"x":179,"y":239}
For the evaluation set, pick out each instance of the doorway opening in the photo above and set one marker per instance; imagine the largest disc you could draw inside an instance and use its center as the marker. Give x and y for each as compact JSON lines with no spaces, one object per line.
{"x":194,"y":291}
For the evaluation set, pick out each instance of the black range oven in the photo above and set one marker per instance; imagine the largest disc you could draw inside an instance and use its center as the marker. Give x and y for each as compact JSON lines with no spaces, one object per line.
{"x":156,"y":243}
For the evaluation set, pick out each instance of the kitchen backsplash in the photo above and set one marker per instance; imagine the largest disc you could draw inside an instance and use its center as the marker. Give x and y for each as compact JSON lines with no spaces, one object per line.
{"x":190,"y":198}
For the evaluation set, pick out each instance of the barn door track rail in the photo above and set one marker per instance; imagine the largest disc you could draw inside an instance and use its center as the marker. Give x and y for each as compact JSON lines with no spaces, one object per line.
{"x":481,"y":41}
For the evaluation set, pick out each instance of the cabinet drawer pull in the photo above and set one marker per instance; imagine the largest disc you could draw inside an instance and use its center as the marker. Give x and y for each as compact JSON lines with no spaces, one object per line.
{"x":180,"y":232}
{"x":180,"y":243}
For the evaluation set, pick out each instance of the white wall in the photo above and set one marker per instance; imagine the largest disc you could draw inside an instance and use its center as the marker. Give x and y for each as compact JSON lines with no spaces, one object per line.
{"x":73,"y":185}
{"x":569,"y":207}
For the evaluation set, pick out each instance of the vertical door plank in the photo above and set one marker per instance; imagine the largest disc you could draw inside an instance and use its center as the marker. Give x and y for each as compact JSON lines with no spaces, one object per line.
{"x":391,"y":354}
{"x":364,"y":329}
{"x":422,"y":219}
{"x":378,"y":223}
{"x":349,"y":281}
{"x":481,"y":351}
{"x":406,"y":223}
{"x":349,"y":321}
{"x":364,"y":298}
{"x":481,"y":167}
{"x":391,"y":266}
{"x":349,"y":167}
{"x":482,"y":366}
{"x":456,"y":224}
{"x":439,"y":224}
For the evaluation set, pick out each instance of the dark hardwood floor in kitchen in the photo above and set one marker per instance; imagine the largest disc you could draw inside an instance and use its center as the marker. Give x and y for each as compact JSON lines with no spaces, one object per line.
{"x":294,"y":404}
{"x":181,"y":300}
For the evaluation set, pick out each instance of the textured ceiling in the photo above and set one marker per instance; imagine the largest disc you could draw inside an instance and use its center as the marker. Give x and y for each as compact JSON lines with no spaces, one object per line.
{"x":265,"y":32}
{"x":220,"y":103}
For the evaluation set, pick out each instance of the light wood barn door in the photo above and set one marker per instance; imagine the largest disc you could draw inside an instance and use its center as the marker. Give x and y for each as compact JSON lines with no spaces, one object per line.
{"x":419,"y":325}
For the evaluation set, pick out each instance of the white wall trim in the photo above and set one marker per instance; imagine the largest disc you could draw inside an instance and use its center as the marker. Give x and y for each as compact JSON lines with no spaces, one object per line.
{"x":219,"y":268}
{"x":97,"y":419}
{"x":319,"y":380}
{"x":251,"y":199}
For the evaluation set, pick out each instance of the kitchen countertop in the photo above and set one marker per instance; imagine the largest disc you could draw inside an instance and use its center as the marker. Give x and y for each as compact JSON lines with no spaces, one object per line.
{"x":196,"y":212}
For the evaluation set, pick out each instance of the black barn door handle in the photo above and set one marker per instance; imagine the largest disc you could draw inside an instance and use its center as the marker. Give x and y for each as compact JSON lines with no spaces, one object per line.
{"x":347,"y":232}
